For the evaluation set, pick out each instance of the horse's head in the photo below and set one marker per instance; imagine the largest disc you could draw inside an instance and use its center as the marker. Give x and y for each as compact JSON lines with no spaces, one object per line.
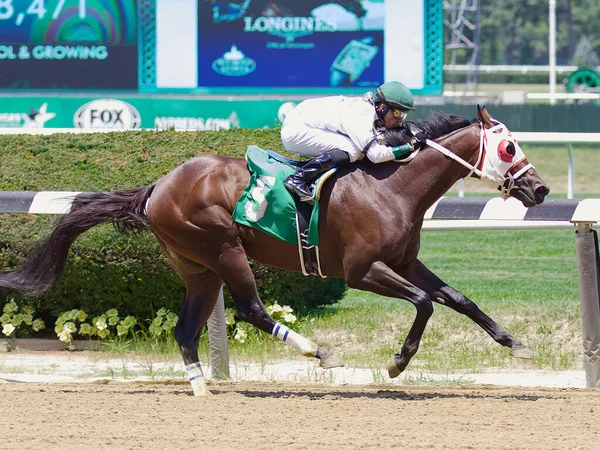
{"x":503,"y":163}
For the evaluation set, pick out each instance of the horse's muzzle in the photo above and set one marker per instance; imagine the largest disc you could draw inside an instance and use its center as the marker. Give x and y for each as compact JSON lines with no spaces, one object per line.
{"x":540,"y":193}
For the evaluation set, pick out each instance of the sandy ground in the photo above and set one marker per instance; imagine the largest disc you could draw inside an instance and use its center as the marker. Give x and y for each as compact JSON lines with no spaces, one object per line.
{"x":81,"y":400}
{"x":266,"y":415}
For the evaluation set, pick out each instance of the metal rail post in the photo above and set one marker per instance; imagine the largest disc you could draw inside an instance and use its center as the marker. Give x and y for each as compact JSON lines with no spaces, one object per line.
{"x":217,"y":341}
{"x":588,"y":262}
{"x":571,"y":172}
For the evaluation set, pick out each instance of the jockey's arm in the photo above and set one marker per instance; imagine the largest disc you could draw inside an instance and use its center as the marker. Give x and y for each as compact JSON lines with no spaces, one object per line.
{"x":379,"y":153}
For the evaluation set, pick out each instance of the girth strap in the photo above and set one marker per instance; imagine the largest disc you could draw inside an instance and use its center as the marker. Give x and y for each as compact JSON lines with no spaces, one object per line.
{"x":309,"y":254}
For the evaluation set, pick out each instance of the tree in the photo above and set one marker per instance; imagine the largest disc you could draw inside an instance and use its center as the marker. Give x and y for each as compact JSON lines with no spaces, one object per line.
{"x":584,"y":55}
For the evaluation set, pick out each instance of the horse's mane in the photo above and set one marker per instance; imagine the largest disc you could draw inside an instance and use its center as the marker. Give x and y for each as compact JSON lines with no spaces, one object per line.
{"x":438,"y":124}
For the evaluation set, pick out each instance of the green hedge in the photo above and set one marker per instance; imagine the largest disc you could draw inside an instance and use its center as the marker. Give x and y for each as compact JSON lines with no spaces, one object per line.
{"x":107,"y":269}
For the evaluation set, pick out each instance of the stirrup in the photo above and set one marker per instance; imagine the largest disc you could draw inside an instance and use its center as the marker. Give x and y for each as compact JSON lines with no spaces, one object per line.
{"x":310,"y":199}
{"x":303,"y":198}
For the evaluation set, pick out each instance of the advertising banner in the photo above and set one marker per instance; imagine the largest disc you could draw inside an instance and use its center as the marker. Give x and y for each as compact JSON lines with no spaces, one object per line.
{"x":119,"y":113}
{"x":68,"y":44}
{"x":291,"y":43}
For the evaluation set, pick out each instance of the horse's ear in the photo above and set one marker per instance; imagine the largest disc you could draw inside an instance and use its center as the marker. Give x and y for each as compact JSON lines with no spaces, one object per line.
{"x":484,"y":116}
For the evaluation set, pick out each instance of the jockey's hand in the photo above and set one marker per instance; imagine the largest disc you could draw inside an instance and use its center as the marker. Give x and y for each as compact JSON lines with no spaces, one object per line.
{"x":418,"y":140}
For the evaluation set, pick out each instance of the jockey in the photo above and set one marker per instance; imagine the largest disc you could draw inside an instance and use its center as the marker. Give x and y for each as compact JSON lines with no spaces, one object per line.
{"x":337,"y":130}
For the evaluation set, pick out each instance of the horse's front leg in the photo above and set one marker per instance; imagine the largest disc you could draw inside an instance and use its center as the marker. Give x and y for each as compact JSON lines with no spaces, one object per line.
{"x":382,"y":280}
{"x":240,"y":281}
{"x":446,"y":295}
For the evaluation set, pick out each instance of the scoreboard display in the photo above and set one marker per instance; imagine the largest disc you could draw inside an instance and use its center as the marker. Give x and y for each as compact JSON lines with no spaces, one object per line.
{"x":68,"y":44}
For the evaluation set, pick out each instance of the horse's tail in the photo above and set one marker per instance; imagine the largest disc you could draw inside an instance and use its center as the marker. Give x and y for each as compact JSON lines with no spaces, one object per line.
{"x":44,"y":265}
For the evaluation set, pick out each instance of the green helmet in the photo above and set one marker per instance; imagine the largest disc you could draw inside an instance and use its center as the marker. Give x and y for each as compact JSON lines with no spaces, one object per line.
{"x":394,"y":92}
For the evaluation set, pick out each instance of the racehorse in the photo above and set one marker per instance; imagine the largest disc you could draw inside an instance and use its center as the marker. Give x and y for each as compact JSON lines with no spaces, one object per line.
{"x":370,"y":225}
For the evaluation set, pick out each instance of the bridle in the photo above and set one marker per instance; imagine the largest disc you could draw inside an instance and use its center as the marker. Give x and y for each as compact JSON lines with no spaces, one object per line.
{"x":488,"y":163}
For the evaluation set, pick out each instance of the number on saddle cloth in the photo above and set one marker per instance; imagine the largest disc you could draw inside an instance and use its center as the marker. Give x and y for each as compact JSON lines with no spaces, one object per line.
{"x":265,"y":204}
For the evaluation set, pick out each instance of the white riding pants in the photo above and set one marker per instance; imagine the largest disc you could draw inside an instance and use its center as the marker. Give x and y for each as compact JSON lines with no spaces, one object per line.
{"x":305,"y":140}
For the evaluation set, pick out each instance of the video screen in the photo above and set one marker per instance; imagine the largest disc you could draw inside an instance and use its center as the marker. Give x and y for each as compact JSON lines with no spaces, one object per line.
{"x":290,"y":43}
{"x":68,"y":44}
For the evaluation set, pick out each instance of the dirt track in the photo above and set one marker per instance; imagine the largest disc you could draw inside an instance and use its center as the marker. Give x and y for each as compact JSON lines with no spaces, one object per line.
{"x":252,"y":415}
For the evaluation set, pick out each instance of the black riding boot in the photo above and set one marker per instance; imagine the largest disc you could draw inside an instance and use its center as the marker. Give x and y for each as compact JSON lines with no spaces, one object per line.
{"x":299,"y":183}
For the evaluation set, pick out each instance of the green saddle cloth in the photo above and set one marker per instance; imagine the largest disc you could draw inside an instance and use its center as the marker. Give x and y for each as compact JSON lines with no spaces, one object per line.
{"x":267,"y":205}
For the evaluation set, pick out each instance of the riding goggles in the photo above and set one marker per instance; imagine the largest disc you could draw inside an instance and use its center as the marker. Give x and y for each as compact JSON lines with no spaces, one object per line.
{"x":399,"y":113}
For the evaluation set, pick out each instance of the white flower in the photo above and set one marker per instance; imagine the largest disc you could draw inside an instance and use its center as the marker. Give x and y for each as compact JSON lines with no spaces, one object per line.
{"x":8,"y":329}
{"x":86,"y":328}
{"x":172,"y":317}
{"x":65,"y":336}
{"x":70,"y":327}
{"x":104,"y":333}
{"x":275,"y":307}
{"x":157,"y":321}
{"x":289,"y":318}
{"x":240,"y":336}
{"x":155,"y":330}
{"x":101,"y":323}
{"x":38,"y":324}
{"x":287,"y":309}
{"x":129,"y":322}
{"x":10,"y":307}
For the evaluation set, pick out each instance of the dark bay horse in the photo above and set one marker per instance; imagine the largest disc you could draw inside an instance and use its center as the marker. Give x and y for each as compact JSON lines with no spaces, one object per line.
{"x":370,"y":224}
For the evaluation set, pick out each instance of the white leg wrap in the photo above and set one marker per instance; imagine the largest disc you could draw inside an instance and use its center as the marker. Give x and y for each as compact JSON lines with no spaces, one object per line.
{"x":306,"y":347}
{"x":196,"y":377}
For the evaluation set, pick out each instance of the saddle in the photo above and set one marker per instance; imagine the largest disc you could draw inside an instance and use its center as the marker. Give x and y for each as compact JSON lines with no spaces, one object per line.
{"x":267,"y":205}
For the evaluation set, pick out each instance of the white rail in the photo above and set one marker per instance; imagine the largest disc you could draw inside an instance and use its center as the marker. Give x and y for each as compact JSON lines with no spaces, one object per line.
{"x":523,"y":69}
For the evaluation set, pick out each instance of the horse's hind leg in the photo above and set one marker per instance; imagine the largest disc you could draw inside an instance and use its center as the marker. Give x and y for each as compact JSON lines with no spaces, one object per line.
{"x":446,"y":295}
{"x":202,"y":291}
{"x":238,"y":276}
{"x":202,"y":287}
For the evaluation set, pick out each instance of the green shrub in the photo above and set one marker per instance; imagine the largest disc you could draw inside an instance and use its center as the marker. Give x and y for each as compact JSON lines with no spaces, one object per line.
{"x":107,"y":269}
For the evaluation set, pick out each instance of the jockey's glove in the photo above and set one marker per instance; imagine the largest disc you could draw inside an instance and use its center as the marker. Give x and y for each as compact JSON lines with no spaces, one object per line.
{"x":418,"y":140}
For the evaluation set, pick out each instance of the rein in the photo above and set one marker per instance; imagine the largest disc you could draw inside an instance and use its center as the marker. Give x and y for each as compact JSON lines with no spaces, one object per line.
{"x":505,"y":183}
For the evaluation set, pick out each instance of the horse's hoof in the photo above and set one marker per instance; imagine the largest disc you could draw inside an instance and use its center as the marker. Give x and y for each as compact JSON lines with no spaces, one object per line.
{"x":199,"y":388}
{"x":202,"y":393}
{"x":393,"y":369}
{"x":521,"y":352}
{"x":331,"y":361}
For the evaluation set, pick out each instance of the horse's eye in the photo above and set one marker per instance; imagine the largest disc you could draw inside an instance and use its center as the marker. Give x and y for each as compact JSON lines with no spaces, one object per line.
{"x":506,"y":150}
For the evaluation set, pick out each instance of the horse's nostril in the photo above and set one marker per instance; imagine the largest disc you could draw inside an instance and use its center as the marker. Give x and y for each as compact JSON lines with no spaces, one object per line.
{"x":543,"y":190}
